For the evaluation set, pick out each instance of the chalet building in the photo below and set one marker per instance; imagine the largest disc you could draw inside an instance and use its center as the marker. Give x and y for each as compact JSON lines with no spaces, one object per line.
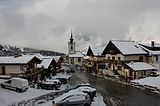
{"x":75,"y":57}
{"x":95,"y":59}
{"x":153,"y":51}
{"x":138,"y":69}
{"x":58,"y":60}
{"x":22,"y":66}
{"x":47,"y":67}
{"x":120,"y":52}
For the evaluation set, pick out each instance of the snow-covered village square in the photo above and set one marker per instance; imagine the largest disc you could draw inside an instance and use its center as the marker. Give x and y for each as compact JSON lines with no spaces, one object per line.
{"x":79,"y":53}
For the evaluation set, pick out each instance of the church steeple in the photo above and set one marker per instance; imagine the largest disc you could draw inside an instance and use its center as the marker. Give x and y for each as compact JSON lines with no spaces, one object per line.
{"x":71,"y":45}
{"x":71,"y":39}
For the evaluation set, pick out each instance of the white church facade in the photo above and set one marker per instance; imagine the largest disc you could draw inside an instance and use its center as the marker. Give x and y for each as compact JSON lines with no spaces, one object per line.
{"x":75,"y":57}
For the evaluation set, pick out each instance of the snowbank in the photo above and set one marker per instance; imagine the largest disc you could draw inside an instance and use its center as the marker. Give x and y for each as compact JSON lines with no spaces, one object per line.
{"x":8,"y":96}
{"x":151,"y":81}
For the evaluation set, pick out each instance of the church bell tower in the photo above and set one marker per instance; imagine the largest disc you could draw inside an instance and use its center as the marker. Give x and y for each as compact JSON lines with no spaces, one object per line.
{"x":71,"y":45}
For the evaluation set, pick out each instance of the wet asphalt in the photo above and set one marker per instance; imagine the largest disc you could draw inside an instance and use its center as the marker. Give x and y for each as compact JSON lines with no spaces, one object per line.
{"x":116,"y":94}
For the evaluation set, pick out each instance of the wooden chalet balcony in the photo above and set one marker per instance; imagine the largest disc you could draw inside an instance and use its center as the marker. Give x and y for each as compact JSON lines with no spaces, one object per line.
{"x":113,"y":61}
{"x":32,"y":72}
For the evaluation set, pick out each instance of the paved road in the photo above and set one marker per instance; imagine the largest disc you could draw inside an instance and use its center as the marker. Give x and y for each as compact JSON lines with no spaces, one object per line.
{"x":116,"y":94}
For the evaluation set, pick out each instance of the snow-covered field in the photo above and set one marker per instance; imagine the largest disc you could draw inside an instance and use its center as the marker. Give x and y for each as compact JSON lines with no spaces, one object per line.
{"x":151,"y":81}
{"x":8,"y":96}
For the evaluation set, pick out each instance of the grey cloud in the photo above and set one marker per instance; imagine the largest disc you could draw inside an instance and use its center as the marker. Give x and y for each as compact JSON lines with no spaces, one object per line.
{"x":46,"y":24}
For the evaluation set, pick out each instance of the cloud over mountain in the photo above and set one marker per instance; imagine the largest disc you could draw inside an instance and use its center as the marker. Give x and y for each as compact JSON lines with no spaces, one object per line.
{"x":47,"y":23}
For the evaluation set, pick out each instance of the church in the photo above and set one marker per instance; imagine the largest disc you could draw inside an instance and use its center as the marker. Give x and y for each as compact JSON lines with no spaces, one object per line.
{"x":75,"y":57}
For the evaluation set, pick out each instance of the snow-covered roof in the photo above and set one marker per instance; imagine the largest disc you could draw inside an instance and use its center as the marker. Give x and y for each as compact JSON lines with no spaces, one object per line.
{"x":77,"y":54}
{"x":45,"y":63}
{"x":151,"y":81}
{"x":56,"y":58}
{"x":149,"y":45}
{"x":38,"y":55}
{"x":151,"y":52}
{"x":16,"y":60}
{"x":128,"y":47}
{"x":97,"y":51}
{"x":137,"y":66}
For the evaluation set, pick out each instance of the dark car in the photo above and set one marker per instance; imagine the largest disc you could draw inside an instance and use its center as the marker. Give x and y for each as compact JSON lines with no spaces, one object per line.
{"x":49,"y":84}
{"x":63,"y":80}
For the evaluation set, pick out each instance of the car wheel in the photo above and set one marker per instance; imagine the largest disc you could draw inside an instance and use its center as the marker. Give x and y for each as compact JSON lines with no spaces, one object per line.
{"x":18,"y":90}
{"x":3,"y":86}
{"x":86,"y":104}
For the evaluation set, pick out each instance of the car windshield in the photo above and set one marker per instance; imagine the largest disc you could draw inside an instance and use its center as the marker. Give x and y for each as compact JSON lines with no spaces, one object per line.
{"x":74,"y":98}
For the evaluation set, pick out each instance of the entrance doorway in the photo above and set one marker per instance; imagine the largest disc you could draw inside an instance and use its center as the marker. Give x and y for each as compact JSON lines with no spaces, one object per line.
{"x":3,"y":70}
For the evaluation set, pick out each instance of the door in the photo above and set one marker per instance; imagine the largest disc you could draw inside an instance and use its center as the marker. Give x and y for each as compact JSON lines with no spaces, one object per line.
{"x":3,"y":70}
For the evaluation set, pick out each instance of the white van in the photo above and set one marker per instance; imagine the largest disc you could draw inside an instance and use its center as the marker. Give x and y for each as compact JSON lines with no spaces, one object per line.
{"x":17,"y":84}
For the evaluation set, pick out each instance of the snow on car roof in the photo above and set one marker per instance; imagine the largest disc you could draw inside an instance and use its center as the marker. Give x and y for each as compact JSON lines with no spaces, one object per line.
{"x":58,"y":99}
{"x":84,"y":88}
{"x":20,"y":79}
{"x":60,"y":75}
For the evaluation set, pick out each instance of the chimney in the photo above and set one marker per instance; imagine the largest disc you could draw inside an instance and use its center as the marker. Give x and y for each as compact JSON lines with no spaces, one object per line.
{"x":152,"y":43}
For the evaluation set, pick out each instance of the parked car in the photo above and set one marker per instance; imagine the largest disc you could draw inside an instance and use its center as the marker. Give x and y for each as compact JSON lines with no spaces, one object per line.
{"x":86,"y":88}
{"x":72,"y":99}
{"x":49,"y":84}
{"x":17,"y":84}
{"x":63,"y":80}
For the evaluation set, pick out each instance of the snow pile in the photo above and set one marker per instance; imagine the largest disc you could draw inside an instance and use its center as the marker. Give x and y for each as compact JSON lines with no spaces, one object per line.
{"x":151,"y":81}
{"x":8,"y":96}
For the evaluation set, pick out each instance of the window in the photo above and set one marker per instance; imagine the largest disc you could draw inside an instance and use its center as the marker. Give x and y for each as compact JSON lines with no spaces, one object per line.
{"x":72,"y":61}
{"x":156,"y":58}
{"x":119,"y":67}
{"x":79,"y":59}
{"x":113,"y":58}
{"x":141,"y":58}
{"x":109,"y":65}
{"x":71,"y":47}
{"x":3,"y":70}
{"x":119,"y":58}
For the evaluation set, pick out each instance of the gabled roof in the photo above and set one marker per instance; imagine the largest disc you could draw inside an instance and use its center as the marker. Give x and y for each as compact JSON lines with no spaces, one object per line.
{"x":151,"y":52}
{"x":95,"y":51}
{"x":16,"y":60}
{"x":77,"y":54}
{"x":45,"y":63}
{"x":98,"y":51}
{"x":127,"y":47}
{"x":138,"y":66}
{"x":56,"y":58}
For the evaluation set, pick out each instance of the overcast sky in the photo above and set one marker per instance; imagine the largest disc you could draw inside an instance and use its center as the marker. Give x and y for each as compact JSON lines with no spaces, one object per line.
{"x":46,"y":24}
